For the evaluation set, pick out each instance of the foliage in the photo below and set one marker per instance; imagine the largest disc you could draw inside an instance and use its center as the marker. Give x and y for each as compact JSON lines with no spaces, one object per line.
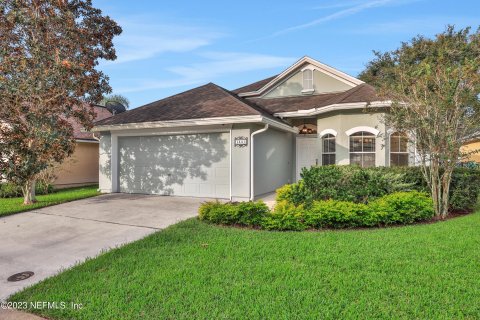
{"x":402,"y":208}
{"x":433,"y":85}
{"x":362,"y":185}
{"x":285,"y":216}
{"x":14,"y":205}
{"x":49,"y":51}
{"x":295,"y":193}
{"x":395,"y":208}
{"x":238,"y":213}
{"x":9,"y":190}
{"x":339,"y":214}
{"x":346,"y":183}
{"x":117,"y":98}
{"x":464,"y":189}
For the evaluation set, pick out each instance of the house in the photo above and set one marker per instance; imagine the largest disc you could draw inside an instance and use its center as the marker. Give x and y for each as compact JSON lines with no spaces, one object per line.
{"x":245,"y":143}
{"x":81,"y":168}
{"x":472,"y":147}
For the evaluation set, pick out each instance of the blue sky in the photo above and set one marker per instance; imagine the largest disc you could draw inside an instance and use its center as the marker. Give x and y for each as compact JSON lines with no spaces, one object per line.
{"x":171,"y":46}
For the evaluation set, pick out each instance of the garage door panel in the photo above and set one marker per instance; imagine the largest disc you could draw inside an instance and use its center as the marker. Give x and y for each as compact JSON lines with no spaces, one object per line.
{"x":189,"y":165}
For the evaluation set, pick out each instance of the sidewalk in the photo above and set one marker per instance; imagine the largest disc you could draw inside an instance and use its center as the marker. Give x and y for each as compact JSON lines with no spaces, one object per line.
{"x":10,"y":314}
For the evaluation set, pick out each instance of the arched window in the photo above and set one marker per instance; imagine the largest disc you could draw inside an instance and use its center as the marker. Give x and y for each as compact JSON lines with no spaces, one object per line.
{"x":398,"y":149}
{"x":328,"y":149}
{"x":307,"y":80}
{"x":362,"y":149}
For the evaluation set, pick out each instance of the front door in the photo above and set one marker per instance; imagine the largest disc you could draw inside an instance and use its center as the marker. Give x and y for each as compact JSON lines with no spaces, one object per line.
{"x":306,"y":154}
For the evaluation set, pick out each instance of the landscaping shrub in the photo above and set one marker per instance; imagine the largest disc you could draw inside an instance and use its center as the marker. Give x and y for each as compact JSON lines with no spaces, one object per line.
{"x":251,"y":213}
{"x":285,"y":216}
{"x":362,"y":185}
{"x":395,"y":208}
{"x":464,"y":189}
{"x":339,"y":214}
{"x":295,"y":193}
{"x":402,"y":208}
{"x":10,"y":190}
{"x":239,"y":213}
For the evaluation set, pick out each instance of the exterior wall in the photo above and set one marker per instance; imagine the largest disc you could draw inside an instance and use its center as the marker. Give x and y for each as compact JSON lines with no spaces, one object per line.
{"x":273,"y":160}
{"x":343,"y":121}
{"x":80,"y":168}
{"x":104,"y":168}
{"x":241,"y":164}
{"x":293,"y":86}
{"x":472,"y":146}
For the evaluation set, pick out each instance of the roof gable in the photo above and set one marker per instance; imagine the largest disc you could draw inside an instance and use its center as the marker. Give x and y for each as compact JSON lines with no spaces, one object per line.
{"x":265,"y":86}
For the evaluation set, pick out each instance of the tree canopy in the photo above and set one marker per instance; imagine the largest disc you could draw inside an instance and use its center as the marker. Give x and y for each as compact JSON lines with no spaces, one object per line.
{"x":434,"y":87}
{"x":49,"y":51}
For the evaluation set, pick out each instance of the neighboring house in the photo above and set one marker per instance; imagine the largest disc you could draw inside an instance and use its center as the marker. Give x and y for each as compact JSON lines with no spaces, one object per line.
{"x":241,"y":144}
{"x":81,"y":168}
{"x":472,"y":146}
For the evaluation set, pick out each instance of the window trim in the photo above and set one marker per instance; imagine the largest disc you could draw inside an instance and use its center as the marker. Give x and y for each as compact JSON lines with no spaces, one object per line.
{"x":328,"y":131}
{"x":373,"y":131}
{"x":312,"y":89}
{"x":397,"y":152}
{"x":374,"y":152}
{"x":333,"y":137}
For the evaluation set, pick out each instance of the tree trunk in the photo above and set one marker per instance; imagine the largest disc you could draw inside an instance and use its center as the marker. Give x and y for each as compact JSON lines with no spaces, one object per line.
{"x":28,"y":190}
{"x":440,"y":188}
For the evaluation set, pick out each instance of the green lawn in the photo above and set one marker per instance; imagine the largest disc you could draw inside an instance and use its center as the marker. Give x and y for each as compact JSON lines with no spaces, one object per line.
{"x":198,"y":271}
{"x":15,"y":205}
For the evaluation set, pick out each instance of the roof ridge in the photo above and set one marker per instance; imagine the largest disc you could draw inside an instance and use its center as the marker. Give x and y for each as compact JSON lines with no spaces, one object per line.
{"x":234,"y":96}
{"x":250,"y":104}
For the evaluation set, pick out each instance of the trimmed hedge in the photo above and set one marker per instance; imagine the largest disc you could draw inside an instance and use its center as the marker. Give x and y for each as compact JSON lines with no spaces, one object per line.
{"x":362,"y":185}
{"x":396,"y":208}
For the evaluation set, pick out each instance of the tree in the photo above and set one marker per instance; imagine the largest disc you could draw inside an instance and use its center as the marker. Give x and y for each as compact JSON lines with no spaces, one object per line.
{"x":117,"y":98}
{"x":434,"y":86}
{"x":49,"y":51}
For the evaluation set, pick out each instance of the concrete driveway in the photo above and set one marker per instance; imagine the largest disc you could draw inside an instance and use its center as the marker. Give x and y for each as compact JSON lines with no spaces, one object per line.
{"x":47,"y":240}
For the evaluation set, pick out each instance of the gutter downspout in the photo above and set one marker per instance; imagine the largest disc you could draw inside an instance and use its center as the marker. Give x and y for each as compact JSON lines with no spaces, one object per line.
{"x":252,"y":194}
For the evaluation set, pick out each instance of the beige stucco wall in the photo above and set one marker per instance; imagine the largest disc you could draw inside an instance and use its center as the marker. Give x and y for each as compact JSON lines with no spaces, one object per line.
{"x":81,"y":168}
{"x":472,"y":146}
{"x":293,"y":86}
{"x":346,"y":120}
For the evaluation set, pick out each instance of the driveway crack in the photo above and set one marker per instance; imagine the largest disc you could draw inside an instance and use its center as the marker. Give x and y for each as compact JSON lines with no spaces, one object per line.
{"x":95,"y":220}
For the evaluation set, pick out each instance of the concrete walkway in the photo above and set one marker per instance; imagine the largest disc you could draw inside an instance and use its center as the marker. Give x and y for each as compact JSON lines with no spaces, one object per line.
{"x":47,"y":240}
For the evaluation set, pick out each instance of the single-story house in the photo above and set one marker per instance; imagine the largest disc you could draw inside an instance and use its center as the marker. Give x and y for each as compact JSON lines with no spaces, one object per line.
{"x":81,"y":168}
{"x":245,"y":143}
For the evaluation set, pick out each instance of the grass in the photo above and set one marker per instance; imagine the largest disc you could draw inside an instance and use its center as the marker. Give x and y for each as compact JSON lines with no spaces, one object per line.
{"x":15,"y":205}
{"x":194,"y":270}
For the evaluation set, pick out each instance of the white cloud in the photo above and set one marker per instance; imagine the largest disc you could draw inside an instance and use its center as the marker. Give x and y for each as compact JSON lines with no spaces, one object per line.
{"x":217,"y":64}
{"x":142,"y":40}
{"x":352,"y":8}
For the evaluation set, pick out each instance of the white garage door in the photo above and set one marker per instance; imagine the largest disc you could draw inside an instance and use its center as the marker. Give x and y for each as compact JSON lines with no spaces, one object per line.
{"x":196,"y":165}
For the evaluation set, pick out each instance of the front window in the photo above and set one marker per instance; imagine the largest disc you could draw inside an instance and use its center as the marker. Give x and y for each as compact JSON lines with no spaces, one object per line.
{"x":328,"y":149}
{"x":362,"y":149}
{"x":398,"y":149}
{"x":308,"y":79}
